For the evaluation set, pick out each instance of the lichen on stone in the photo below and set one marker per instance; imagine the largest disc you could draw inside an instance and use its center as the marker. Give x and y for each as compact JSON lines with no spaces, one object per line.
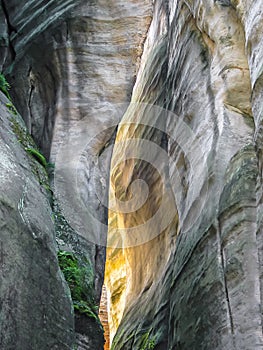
{"x":37,"y":161}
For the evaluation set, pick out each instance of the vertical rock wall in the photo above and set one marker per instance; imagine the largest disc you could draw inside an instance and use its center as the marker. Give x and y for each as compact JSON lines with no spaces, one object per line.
{"x":68,"y":63}
{"x":197,"y":284}
{"x":185,"y":220}
{"x":35,"y":305}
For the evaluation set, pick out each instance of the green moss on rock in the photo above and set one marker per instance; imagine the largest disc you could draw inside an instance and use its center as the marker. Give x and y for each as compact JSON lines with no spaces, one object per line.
{"x":11,"y":108}
{"x":4,"y":86}
{"x":80,"y":281}
{"x":37,"y":155}
{"x":38,"y":162}
{"x":144,"y":340}
{"x":148,"y":343}
{"x":21,"y":132}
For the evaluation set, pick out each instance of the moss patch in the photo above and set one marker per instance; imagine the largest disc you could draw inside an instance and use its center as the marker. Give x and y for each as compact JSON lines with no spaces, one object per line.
{"x":4,"y":86}
{"x":36,"y":158}
{"x":144,"y":341}
{"x":25,"y":139}
{"x":21,"y":132}
{"x":148,"y":343}
{"x":37,"y":155}
{"x":80,"y":281}
{"x":27,"y":142}
{"x":11,"y":108}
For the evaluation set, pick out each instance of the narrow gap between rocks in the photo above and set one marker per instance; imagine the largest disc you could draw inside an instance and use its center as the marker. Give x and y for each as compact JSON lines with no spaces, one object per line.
{"x":103,"y":315}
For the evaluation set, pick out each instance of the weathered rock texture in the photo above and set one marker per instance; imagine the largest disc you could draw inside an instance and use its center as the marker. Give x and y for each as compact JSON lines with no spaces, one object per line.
{"x":184,"y":267}
{"x":198,"y":283}
{"x":35,"y":305}
{"x":68,"y":63}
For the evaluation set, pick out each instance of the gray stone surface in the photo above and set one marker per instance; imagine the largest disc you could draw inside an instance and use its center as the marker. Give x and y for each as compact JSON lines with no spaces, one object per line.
{"x":35,"y":305}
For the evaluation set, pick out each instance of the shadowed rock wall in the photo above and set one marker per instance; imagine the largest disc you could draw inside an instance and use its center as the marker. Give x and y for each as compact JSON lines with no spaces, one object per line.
{"x":68,"y":62}
{"x":35,"y":306}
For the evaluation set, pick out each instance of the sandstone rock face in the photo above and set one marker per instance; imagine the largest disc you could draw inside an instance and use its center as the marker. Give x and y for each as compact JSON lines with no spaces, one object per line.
{"x":36,"y":310}
{"x":181,"y":167}
{"x":69,"y":62}
{"x":192,"y":280}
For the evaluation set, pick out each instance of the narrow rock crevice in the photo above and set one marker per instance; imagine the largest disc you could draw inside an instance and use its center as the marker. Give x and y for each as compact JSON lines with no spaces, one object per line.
{"x":49,"y":122}
{"x":103,"y":315}
{"x":67,"y":32}
{"x":29,"y":102}
{"x":183,"y":263}
{"x":223,"y":265}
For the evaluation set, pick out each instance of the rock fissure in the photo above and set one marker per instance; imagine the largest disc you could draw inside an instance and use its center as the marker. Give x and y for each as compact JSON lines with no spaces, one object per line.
{"x":29,"y":103}
{"x":223,"y":267}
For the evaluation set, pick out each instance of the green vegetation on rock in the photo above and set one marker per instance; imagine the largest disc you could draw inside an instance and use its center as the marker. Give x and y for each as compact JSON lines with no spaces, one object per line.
{"x":26,"y":139}
{"x":11,"y":108}
{"x":147,"y":342}
{"x":21,"y":132}
{"x":37,"y":155}
{"x":81,"y":289}
{"x":4,"y":86}
{"x":29,"y":145}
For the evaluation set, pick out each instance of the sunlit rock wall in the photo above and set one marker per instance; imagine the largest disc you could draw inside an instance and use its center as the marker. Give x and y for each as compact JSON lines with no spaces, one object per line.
{"x":193,"y":278}
{"x":69,"y":63}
